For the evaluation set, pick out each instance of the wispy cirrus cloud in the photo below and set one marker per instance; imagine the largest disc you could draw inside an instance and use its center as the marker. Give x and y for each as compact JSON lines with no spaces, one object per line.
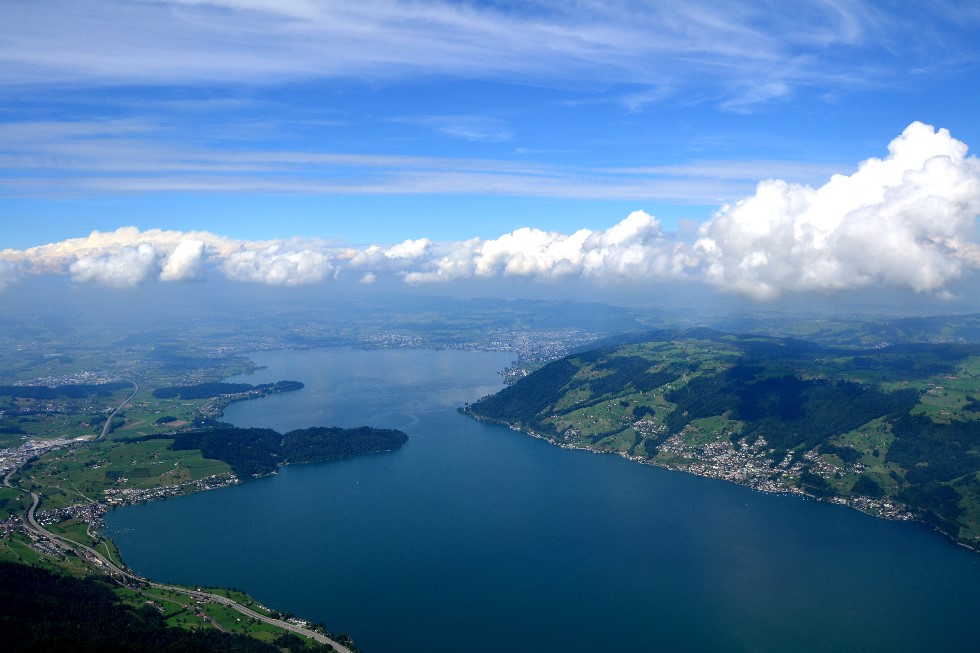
{"x":71,"y":158}
{"x":741,"y":53}
{"x":484,"y":129}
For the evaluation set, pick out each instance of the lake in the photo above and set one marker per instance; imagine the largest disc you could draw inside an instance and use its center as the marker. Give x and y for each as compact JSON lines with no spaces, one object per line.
{"x":475,"y":538}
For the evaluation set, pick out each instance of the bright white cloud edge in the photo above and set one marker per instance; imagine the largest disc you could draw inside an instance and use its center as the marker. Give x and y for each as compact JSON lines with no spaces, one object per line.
{"x":907,"y":220}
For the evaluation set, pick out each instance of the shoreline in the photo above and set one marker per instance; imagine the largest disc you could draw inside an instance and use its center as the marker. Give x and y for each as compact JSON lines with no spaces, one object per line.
{"x":92,"y":515}
{"x":788,"y":491}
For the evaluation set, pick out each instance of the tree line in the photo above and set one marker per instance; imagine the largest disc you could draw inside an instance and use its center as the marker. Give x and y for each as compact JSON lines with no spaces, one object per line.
{"x":210,"y":390}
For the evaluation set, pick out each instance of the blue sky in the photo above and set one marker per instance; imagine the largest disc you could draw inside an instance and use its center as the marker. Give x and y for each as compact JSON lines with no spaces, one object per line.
{"x":349,"y":124}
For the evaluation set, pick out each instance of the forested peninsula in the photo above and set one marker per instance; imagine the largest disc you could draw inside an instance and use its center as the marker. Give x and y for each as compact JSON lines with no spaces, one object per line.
{"x":163,"y":443}
{"x":252,"y":452}
{"x":893,"y":431}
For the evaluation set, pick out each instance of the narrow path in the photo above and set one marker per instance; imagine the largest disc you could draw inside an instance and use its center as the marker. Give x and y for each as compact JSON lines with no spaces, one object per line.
{"x":79,"y":492}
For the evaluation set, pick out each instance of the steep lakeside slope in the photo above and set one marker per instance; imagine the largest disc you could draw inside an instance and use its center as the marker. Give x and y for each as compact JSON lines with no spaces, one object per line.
{"x":892,"y":431}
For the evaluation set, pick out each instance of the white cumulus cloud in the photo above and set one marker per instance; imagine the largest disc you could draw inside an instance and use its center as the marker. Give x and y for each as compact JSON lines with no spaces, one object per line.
{"x":907,"y":220}
{"x":128,"y":267}
{"x":127,"y":256}
{"x":185,"y":263}
{"x":409,"y":249}
{"x":531,"y":252}
{"x":635,"y":248}
{"x":277,"y":265}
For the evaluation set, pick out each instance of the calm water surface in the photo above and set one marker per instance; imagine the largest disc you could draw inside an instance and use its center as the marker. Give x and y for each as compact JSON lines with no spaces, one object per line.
{"x":476,"y":538}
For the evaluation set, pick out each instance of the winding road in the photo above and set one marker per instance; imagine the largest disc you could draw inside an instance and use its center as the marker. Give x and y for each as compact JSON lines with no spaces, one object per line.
{"x":126,"y":575}
{"x":115,"y":570}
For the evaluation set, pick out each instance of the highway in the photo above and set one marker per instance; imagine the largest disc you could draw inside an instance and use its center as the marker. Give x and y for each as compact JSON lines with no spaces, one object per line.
{"x":108,"y":422}
{"x":111,"y":568}
{"x":201,"y":595}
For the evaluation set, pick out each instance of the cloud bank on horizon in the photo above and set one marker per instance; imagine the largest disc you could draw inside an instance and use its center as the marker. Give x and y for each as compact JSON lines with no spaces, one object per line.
{"x":907,"y":220}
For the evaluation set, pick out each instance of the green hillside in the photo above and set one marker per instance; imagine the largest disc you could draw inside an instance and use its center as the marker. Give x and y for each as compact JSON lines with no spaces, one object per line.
{"x":893,"y":431}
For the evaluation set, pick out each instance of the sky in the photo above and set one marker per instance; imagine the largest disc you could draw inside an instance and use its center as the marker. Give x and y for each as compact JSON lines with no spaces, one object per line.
{"x":763,"y":150}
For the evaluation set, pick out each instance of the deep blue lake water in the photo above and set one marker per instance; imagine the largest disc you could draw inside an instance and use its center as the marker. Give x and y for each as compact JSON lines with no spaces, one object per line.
{"x":475,"y":538}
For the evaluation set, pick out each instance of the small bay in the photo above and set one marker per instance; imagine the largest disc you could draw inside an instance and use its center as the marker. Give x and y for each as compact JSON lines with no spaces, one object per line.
{"x":476,"y":538}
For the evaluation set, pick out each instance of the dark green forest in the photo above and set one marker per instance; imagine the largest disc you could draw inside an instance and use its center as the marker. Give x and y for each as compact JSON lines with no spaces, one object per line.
{"x":74,"y":391}
{"x":787,"y":411}
{"x":255,"y":451}
{"x":45,"y":611}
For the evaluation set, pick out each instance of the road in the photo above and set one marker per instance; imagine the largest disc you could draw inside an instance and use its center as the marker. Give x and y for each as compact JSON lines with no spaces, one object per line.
{"x":201,"y":595}
{"x":108,"y":422}
{"x":113,"y":569}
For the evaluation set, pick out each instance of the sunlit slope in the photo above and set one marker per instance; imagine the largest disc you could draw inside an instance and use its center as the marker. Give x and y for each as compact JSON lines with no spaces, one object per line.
{"x":894,"y":431}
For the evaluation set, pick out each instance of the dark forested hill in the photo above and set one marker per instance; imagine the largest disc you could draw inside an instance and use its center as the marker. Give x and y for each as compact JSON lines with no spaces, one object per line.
{"x":894,"y":431}
{"x":255,"y":451}
{"x":45,"y":611}
{"x":70,"y":391}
